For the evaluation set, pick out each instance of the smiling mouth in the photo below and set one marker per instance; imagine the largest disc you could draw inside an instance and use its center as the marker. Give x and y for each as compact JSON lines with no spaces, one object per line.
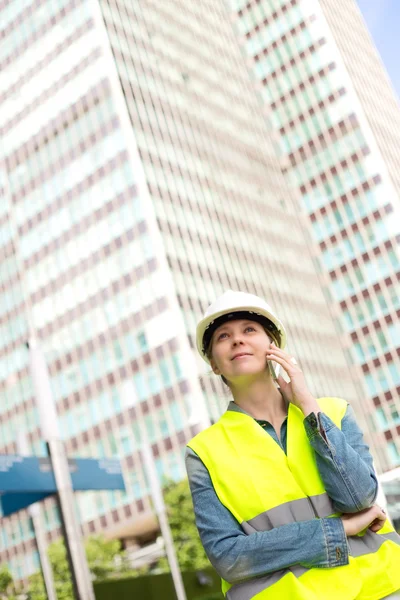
{"x":241,"y":355}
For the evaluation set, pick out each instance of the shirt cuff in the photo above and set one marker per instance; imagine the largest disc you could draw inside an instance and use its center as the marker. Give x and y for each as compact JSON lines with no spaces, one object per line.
{"x":317,"y":424}
{"x":313,"y":424}
{"x":336,"y":542}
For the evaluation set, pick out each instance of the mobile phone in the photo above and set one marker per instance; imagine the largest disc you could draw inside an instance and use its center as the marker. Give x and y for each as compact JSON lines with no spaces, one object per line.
{"x":273,"y":369}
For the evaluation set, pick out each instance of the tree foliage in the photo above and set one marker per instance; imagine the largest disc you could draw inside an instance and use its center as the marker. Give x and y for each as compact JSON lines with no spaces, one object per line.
{"x":7,"y":587}
{"x":5,"y":580}
{"x":105,"y":559}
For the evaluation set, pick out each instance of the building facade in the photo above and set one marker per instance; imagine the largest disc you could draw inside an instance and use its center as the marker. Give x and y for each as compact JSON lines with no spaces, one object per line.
{"x":138,"y":182}
{"x":337,"y":125}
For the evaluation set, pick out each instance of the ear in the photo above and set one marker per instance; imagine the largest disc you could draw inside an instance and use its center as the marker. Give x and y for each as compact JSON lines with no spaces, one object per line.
{"x":214,"y":367}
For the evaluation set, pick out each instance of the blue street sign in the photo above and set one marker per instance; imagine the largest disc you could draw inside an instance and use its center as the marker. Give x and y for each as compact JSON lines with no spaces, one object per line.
{"x":11,"y":503}
{"x":25,"y":480}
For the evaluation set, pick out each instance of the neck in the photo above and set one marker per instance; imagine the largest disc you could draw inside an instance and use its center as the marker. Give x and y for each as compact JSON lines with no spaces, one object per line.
{"x":260,"y":398}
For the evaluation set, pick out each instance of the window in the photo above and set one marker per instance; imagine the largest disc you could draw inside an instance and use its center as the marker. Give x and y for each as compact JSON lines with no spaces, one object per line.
{"x":359,"y":275}
{"x":359,"y":313}
{"x":348,"y":319}
{"x":140,"y":385}
{"x":382,"y":339}
{"x":394,"y":372}
{"x":394,"y":412}
{"x":177,"y":366}
{"x":382,"y":302}
{"x":370,"y":344}
{"x":359,"y":352}
{"x":165,"y":374}
{"x":370,"y":307}
{"x":371,"y":384}
{"x":394,"y":453}
{"x":381,"y":418}
{"x":394,"y":297}
{"x":142,"y":342}
{"x":383,"y":381}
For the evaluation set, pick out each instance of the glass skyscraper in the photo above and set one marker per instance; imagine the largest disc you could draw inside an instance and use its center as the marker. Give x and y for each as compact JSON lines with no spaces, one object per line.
{"x":337,"y":123}
{"x":138,"y":182}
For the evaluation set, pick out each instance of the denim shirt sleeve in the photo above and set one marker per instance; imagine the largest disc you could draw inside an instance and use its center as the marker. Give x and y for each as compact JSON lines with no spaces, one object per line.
{"x":237,"y":556}
{"x":344,"y":461}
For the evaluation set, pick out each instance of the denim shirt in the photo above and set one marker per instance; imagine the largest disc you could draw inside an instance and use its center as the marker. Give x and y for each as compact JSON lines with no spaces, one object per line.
{"x":346,"y":468}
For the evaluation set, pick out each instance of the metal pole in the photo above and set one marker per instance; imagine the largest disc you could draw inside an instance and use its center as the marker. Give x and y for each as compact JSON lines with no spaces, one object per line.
{"x":81,"y":577}
{"x":161,"y":512}
{"x":40,"y":535}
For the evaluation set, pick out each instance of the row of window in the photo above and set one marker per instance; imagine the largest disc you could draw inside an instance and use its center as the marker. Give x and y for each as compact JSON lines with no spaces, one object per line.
{"x":345,"y":249}
{"x":382,"y":379}
{"x":302,"y":79}
{"x":290,"y":109}
{"x":147,"y":382}
{"x":82,"y":288}
{"x":98,"y":276}
{"x":12,"y":426}
{"x":60,"y":144}
{"x":370,"y":309}
{"x":96,"y":193}
{"x":333,"y":222}
{"x":314,"y":125}
{"x":12,"y":295}
{"x":30,"y":25}
{"x":26,"y":95}
{"x":12,"y":330}
{"x":374,"y":345}
{"x":38,"y":49}
{"x":276,"y":58}
{"x":331,"y":156}
{"x":375,"y":269}
{"x":96,"y":156}
{"x":75,"y":85}
{"x":257,"y":12}
{"x":388,"y":418}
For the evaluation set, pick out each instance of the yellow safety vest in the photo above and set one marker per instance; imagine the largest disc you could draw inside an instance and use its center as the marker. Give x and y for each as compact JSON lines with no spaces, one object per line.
{"x":264,"y":488}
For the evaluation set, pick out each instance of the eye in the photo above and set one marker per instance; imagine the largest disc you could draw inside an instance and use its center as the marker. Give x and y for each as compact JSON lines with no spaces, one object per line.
{"x":250,"y":327}
{"x":221,"y":335}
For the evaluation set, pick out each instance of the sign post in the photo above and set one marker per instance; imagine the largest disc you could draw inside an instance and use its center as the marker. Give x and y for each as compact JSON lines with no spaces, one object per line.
{"x":161,"y":512}
{"x":81,"y":577}
{"x":40,"y":535}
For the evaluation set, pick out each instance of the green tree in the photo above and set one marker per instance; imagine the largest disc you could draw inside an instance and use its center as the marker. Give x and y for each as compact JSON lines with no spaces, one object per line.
{"x":5,"y":580}
{"x":7,"y":587}
{"x":105,"y":559}
{"x":187,"y":542}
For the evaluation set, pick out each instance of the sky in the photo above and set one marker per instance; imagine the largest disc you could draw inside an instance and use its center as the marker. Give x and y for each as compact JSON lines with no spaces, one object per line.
{"x":383,"y":21}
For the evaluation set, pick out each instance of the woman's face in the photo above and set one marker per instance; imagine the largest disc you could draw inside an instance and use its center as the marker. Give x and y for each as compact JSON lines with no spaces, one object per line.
{"x":238,"y":348}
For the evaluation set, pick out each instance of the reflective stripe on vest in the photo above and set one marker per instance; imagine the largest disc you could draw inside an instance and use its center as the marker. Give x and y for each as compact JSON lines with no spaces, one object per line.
{"x":302,"y":509}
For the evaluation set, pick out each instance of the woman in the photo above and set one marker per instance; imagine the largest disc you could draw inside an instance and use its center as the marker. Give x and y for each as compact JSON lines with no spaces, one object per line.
{"x":283,"y":484}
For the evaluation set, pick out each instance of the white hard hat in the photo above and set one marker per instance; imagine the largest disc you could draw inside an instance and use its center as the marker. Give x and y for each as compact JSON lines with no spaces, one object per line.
{"x":229,"y":304}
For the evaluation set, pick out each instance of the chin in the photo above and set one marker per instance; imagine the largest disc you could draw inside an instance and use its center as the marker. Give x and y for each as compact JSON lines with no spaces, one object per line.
{"x":247,"y":370}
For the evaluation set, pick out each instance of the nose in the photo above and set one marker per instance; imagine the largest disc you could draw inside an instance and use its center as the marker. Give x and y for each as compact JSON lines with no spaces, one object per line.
{"x":236,"y":339}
